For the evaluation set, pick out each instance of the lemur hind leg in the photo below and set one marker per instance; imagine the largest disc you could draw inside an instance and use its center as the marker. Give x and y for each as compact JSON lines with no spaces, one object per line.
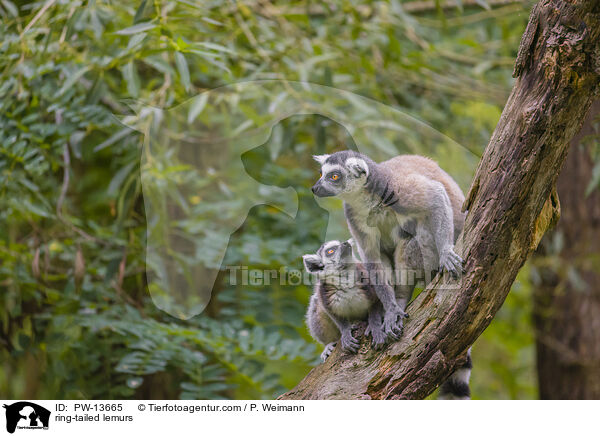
{"x":408,"y":269}
{"x":374,"y":327}
{"x":429,"y":256}
{"x":320,"y":325}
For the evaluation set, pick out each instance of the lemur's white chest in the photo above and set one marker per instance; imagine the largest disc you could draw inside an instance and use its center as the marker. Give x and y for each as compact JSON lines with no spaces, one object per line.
{"x":350,"y":303}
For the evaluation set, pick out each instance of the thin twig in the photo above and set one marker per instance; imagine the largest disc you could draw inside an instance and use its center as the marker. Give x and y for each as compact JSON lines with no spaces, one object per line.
{"x":65,"y":184}
{"x":41,"y":12}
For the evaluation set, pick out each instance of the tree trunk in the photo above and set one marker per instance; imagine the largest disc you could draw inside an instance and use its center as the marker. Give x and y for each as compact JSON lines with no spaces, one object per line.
{"x":510,"y":208}
{"x":567,"y":300}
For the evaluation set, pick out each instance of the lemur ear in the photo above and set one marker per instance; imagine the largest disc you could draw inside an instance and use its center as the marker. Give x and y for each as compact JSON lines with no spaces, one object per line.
{"x":312,"y":263}
{"x":321,"y":158}
{"x":357,"y":166}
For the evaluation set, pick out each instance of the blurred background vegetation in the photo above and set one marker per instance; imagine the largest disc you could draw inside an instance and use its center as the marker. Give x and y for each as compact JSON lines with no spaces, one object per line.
{"x":76,"y":316}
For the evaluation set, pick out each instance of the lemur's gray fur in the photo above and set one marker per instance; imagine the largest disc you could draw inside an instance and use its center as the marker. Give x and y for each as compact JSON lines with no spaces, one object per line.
{"x":404,"y":214}
{"x":402,"y":203}
{"x":342,"y":295}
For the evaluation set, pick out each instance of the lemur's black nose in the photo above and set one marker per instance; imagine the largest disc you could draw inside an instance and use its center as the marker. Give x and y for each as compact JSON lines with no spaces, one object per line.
{"x":313,"y":189}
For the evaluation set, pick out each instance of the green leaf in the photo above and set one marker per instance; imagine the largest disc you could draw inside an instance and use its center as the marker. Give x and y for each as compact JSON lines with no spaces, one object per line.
{"x":73,"y":78}
{"x":96,"y":24}
{"x":114,"y":138}
{"x":211,"y":21}
{"x":216,"y":47}
{"x":10,"y":7}
{"x":184,"y":72}
{"x":159,"y":64}
{"x":197,"y":107}
{"x":34,"y":209}
{"x":141,"y":27}
{"x":25,"y":182}
{"x":119,"y":177}
{"x":140,"y":12}
{"x":136,"y":40}
{"x":484,"y":4}
{"x":132,"y":79}
{"x":181,"y":44}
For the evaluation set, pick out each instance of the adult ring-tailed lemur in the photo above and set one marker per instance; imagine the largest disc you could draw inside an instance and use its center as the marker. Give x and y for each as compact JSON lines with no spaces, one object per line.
{"x":404,"y":214}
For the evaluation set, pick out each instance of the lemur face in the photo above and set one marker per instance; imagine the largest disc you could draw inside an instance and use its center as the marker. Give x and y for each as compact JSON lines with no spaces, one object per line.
{"x":329,"y":259}
{"x":342,"y":173}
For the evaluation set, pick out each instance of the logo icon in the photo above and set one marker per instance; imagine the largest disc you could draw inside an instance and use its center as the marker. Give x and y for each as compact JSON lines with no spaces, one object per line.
{"x":26,"y":415}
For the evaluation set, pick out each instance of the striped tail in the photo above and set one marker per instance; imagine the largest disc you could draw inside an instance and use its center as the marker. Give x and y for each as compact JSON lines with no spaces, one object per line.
{"x":457,"y":385}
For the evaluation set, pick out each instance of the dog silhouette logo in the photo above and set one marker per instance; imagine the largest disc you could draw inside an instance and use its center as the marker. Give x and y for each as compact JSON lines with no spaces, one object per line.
{"x":208,"y":165}
{"x":26,"y":415}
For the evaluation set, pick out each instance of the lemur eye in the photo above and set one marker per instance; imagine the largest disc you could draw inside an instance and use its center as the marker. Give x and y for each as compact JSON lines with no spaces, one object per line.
{"x":335,"y":176}
{"x":320,"y":174}
{"x":330,"y":251}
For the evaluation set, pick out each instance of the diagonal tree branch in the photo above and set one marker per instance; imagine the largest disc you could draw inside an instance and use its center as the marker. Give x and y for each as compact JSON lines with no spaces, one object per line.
{"x":511,"y":204}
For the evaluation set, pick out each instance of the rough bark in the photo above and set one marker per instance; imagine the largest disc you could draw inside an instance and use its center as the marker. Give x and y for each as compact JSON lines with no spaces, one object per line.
{"x":567,"y":300}
{"x":510,"y":207}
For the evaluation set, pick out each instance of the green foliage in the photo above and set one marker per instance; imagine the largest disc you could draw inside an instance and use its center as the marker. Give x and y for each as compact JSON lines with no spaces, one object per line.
{"x":76,"y":319}
{"x":504,"y":355}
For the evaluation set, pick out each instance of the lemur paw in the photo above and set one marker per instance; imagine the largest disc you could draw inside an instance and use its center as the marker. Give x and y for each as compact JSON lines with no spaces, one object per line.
{"x":349,"y":342}
{"x":378,"y":336}
{"x":327,"y":351}
{"x":451,"y":262}
{"x":393,"y":323}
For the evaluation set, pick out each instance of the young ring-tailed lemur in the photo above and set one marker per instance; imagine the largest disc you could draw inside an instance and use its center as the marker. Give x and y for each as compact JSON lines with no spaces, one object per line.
{"x":394,"y":209}
{"x":342,"y":296}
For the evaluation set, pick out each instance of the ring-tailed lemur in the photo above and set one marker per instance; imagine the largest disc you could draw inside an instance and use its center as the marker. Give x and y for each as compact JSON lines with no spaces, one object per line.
{"x":342,"y":295}
{"x":394,"y":209}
